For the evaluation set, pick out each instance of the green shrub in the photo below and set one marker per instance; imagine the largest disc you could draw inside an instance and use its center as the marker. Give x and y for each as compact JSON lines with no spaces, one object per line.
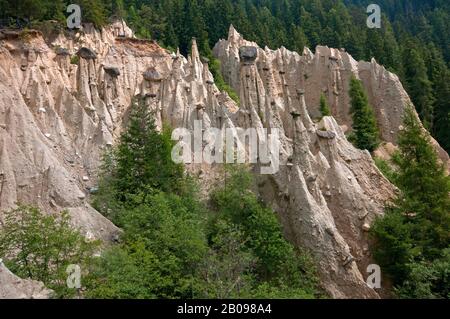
{"x":427,"y":280}
{"x":324,"y":107}
{"x":39,"y":246}
{"x":277,"y":261}
{"x":173,"y":247}
{"x":385,"y":168}
{"x":75,"y":59}
{"x":214,"y":67}
{"x":162,"y":246}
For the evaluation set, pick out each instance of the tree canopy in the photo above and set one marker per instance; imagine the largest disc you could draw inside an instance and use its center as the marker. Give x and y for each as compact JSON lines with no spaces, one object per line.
{"x":365,"y":131}
{"x":412,"y":240}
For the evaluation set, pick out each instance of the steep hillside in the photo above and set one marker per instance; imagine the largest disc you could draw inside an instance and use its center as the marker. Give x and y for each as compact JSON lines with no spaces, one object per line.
{"x":63,"y":103}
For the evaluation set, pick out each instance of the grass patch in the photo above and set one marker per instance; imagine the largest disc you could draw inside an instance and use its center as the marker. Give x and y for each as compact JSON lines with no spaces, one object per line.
{"x":214,"y":67}
{"x":386,"y":168}
{"x":74,"y":59}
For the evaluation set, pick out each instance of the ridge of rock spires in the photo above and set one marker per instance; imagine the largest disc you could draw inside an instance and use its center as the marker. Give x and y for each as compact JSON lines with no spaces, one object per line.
{"x":328,"y":193}
{"x":324,"y":194}
{"x":326,"y":71}
{"x":57,"y":118}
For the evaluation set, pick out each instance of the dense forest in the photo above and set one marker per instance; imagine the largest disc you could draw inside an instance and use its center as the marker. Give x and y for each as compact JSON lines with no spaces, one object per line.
{"x":413,"y":40}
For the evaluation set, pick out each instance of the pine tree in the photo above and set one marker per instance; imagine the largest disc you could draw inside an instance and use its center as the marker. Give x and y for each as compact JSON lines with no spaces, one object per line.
{"x":143,"y":157}
{"x":441,"y":127}
{"x":218,"y":18}
{"x":54,"y":10}
{"x":93,"y":11}
{"x":133,"y":19}
{"x":391,"y":55}
{"x":423,"y":182}
{"x":310,"y":25}
{"x":26,"y":9}
{"x":299,"y":39}
{"x":365,"y":131}
{"x":324,"y":108}
{"x":416,"y":227}
{"x":355,"y":44}
{"x":439,"y":75}
{"x":374,"y":45}
{"x":153,"y":25}
{"x":278,"y":262}
{"x":118,"y":10}
{"x":418,"y":84}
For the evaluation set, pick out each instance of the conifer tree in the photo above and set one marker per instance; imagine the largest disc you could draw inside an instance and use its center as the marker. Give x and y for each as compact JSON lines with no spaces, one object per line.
{"x":117,"y":9}
{"x":153,"y":25}
{"x":441,"y":127}
{"x":324,"y":108}
{"x":93,"y":11}
{"x":143,"y":157}
{"x":299,"y":39}
{"x":418,"y":84}
{"x":423,"y":182}
{"x":365,"y":131}
{"x":416,"y":228}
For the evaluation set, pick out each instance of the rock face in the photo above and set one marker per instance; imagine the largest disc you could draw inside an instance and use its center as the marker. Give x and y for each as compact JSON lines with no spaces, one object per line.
{"x":87,"y":54}
{"x":248,"y":54}
{"x":328,"y":193}
{"x":56,"y":119}
{"x":326,"y":71}
{"x":112,"y":71}
{"x":13,"y":287}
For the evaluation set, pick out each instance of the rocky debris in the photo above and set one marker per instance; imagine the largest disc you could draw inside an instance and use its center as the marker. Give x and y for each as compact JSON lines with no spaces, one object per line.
{"x":87,"y":53}
{"x":152,"y":75}
{"x":112,"y":71}
{"x":366,"y":226}
{"x":326,"y":134}
{"x":348,"y":260}
{"x":9,"y":34}
{"x":295,"y":114}
{"x":248,"y":54}
{"x":62,"y":51}
{"x":93,"y":190}
{"x":13,"y":287}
